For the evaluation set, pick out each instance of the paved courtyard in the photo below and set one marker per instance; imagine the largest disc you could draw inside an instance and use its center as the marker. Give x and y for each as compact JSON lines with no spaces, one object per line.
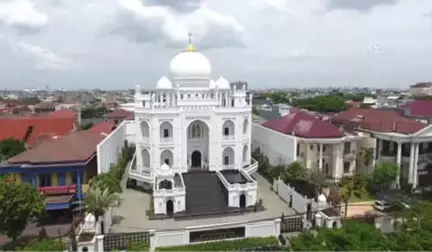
{"x":131,"y":215}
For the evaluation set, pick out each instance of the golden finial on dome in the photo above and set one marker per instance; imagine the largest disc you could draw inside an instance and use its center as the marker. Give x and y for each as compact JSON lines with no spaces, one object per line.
{"x":190,"y":47}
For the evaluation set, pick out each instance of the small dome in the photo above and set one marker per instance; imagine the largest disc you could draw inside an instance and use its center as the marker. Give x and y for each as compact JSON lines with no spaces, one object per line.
{"x":322,"y":199}
{"x":165,"y":171}
{"x":222,"y":83}
{"x":212,"y":84}
{"x":190,"y":64}
{"x":164,"y":83}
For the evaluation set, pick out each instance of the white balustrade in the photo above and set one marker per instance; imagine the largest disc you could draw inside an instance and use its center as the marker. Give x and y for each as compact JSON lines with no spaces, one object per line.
{"x":166,"y":139}
{"x":228,"y":137}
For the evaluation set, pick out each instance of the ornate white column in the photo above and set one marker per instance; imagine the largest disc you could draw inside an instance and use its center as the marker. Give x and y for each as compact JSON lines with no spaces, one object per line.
{"x":398,"y":162}
{"x":415,"y":165}
{"x":411,"y":164}
{"x":320,"y":164}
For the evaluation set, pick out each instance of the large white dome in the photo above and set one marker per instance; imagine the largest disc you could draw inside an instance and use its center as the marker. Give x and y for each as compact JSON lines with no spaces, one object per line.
{"x":190,"y":64}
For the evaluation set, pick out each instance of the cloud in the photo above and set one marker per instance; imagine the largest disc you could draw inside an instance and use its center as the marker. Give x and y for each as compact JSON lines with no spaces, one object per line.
{"x":176,"y":5}
{"x":361,"y":5}
{"x":154,"y":23}
{"x":43,"y":58}
{"x":22,"y":16}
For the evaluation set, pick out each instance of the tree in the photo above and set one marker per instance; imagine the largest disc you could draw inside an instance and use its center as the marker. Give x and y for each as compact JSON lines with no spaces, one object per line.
{"x":87,"y":126}
{"x":11,"y":147}
{"x":255,"y":111}
{"x":318,"y":178}
{"x":383,"y":176}
{"x":367,"y":155}
{"x":323,"y":104}
{"x":97,"y":202}
{"x":19,"y":203}
{"x":356,"y":236}
{"x":294,"y":171}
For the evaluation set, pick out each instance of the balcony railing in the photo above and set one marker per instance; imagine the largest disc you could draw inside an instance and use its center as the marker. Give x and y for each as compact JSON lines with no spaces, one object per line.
{"x":145,"y":139}
{"x":58,"y":189}
{"x":228,"y":137}
{"x":166,"y":140}
{"x":228,"y":166}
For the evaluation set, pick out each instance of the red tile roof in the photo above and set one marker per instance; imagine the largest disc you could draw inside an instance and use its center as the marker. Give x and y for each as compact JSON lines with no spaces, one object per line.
{"x":302,"y":124}
{"x":378,"y":120}
{"x":37,"y":128}
{"x":103,"y":127}
{"x":75,"y":147}
{"x":420,"y":108}
{"x":120,"y":113}
{"x":63,"y":113}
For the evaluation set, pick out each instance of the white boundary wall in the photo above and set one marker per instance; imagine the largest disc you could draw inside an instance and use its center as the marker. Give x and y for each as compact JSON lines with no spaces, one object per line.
{"x":167,"y":238}
{"x":109,"y":150}
{"x":279,"y":148}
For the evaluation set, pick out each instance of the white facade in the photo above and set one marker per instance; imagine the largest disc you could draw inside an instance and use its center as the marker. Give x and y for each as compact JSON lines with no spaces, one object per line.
{"x":110,"y":148}
{"x":336,"y":157}
{"x":190,"y":121}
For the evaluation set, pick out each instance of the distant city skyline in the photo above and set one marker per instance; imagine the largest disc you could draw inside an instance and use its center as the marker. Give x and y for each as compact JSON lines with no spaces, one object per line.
{"x":117,"y":44}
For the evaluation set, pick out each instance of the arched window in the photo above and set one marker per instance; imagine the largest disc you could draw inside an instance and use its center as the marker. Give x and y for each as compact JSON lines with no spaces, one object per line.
{"x":196,"y":131}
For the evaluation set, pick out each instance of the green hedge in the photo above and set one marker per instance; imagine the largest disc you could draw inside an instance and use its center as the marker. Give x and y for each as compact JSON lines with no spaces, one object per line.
{"x":232,"y":245}
{"x":45,"y":245}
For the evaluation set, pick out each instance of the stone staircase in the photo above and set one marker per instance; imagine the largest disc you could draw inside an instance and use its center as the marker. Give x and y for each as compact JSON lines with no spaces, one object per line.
{"x":205,"y":193}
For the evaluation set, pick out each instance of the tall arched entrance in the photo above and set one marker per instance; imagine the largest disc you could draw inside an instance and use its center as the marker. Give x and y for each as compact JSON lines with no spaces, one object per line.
{"x":198,"y":145}
{"x":169,"y":207}
{"x":196,"y":159}
{"x":242,"y":201}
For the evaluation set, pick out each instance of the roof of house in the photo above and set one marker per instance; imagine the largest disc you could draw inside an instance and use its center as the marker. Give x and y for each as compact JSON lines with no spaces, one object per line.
{"x":119,"y":113}
{"x":302,"y":124}
{"x":75,"y":147}
{"x":35,"y":127}
{"x":378,"y":120}
{"x":421,"y":85}
{"x":420,"y":108}
{"x":63,"y":113}
{"x":102,"y":127}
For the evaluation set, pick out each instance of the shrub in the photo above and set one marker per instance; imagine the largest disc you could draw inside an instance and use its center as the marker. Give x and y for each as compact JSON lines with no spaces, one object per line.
{"x":248,"y":244}
{"x":45,"y":245}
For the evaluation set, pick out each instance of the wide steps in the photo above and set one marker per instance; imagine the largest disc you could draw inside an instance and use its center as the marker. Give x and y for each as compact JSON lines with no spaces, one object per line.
{"x":204,"y":192}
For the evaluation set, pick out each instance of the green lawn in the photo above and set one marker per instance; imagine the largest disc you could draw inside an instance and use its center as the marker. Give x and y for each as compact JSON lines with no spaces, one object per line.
{"x":357,"y":196}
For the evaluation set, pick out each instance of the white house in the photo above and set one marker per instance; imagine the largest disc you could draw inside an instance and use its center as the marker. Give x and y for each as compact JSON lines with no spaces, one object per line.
{"x":302,"y":137}
{"x":193,"y":123}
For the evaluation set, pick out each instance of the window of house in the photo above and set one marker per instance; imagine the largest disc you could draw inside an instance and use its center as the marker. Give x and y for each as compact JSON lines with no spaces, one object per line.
{"x":44,"y":180}
{"x":167,"y":161}
{"x":324,"y":148}
{"x":346,"y":167}
{"x":166,"y":133}
{"x":347,"y":147}
{"x":311,"y":147}
{"x":298,"y":150}
{"x":226,"y":131}
{"x":144,"y":103}
{"x":74,"y":177}
{"x":196,"y":131}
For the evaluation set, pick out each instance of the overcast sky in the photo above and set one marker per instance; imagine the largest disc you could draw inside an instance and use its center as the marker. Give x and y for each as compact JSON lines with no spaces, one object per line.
{"x":117,"y":44}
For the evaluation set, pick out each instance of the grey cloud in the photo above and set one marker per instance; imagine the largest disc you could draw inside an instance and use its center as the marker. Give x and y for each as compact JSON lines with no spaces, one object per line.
{"x":176,"y":5}
{"x":361,"y":5}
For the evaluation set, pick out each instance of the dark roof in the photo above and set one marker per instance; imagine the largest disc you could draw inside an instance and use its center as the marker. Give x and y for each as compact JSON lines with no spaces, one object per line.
{"x":75,"y":147}
{"x":421,"y":85}
{"x":420,"y":108}
{"x":378,"y":120}
{"x":269,"y":115}
{"x":120,"y":113}
{"x":302,"y":124}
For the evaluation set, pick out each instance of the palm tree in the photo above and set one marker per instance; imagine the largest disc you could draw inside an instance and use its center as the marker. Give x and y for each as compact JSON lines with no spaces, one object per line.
{"x":367,"y":155}
{"x":97,"y":202}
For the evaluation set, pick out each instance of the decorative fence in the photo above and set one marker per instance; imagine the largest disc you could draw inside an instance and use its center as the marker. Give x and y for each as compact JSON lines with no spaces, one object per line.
{"x":120,"y":241}
{"x":291,"y":224}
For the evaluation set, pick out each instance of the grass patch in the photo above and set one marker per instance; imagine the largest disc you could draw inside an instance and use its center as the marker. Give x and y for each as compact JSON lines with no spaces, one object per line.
{"x":356,"y":195}
{"x":232,"y":245}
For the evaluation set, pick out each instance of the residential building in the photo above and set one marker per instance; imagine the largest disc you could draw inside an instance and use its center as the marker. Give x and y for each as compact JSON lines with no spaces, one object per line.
{"x":398,"y":139}
{"x":420,"y":110}
{"x":60,"y":168}
{"x":193,"y":135}
{"x":302,"y":137}
{"x":421,"y":89}
{"x":118,"y":115}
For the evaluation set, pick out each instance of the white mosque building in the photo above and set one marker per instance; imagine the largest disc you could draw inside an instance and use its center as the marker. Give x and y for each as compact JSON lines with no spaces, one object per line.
{"x":193,"y":140}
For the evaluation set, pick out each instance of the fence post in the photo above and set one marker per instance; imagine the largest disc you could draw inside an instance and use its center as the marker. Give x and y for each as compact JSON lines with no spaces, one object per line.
{"x":152,"y":234}
{"x":277,"y":227}
{"x":100,"y":243}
